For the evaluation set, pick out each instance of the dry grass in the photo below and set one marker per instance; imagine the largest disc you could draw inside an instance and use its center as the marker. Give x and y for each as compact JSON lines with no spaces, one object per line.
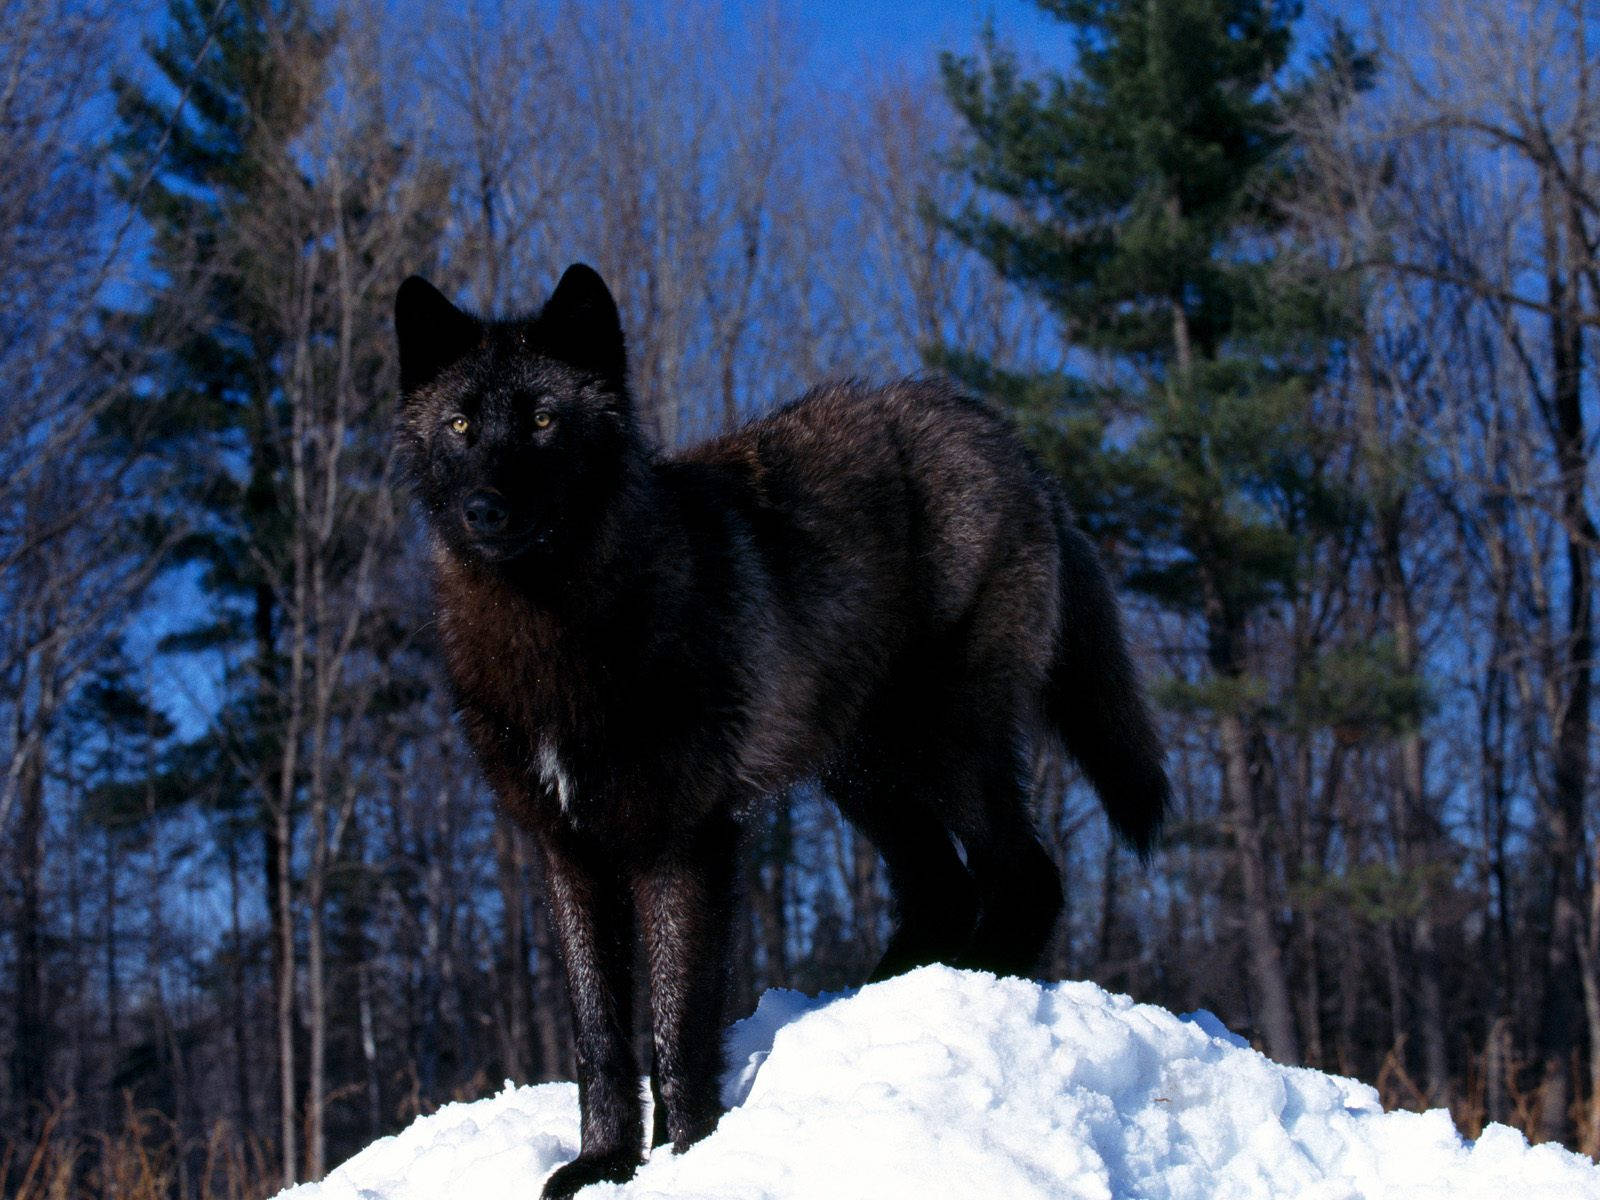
{"x":144,"y":1159}
{"x":1470,"y":1106}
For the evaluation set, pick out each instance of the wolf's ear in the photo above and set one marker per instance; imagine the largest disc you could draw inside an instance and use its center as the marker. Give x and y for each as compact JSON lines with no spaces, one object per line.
{"x":433,"y":333}
{"x":579,"y":324}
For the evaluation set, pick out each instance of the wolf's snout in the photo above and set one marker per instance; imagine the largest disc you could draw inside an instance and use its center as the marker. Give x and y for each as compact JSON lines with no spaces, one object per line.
{"x":486,"y":513}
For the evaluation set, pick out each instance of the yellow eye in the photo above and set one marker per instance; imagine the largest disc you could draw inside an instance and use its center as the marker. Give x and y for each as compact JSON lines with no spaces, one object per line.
{"x":459,"y":424}
{"x":543,"y":420}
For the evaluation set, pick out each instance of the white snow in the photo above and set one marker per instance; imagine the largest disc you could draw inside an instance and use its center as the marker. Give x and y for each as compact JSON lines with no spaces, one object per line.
{"x":946,"y":1083}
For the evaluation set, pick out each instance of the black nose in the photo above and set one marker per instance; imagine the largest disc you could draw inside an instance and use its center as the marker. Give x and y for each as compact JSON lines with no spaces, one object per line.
{"x":486,"y":513}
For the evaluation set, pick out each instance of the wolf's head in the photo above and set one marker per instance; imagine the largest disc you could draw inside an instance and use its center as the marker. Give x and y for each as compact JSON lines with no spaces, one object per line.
{"x":519,"y":432}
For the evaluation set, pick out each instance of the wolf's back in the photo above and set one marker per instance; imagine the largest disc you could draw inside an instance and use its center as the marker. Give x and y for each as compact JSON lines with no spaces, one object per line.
{"x":913,"y":514}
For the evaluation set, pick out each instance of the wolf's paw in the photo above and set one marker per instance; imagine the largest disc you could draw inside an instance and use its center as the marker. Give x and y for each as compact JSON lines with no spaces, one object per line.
{"x":616,"y":1167}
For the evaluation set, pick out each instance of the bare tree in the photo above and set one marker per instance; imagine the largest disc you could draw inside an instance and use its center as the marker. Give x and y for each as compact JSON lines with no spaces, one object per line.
{"x":72,"y":562}
{"x":1520,"y":99}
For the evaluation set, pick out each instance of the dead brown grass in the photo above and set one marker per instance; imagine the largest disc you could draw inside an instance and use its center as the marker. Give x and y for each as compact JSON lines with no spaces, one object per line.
{"x":1469,"y":1107}
{"x":144,"y":1159}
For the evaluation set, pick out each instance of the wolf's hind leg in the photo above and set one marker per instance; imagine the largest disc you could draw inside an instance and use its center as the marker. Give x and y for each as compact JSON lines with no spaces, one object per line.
{"x":985,"y":804}
{"x":936,"y":905}
{"x":1018,"y":883}
{"x":1020,"y":894}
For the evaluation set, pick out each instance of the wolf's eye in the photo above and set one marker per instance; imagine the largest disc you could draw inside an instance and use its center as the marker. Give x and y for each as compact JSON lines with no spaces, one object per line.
{"x":543,"y":419}
{"x":459,"y":424}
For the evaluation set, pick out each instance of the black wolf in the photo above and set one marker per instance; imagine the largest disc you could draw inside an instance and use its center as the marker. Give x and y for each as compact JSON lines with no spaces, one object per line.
{"x":876,"y":588}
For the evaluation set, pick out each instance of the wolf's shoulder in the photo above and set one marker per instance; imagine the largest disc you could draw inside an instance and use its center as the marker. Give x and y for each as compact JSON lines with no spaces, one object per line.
{"x":910,"y":402}
{"x":850,"y":418}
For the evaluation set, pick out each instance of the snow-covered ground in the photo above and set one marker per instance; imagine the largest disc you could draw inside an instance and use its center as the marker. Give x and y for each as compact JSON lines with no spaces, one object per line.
{"x":946,"y":1083}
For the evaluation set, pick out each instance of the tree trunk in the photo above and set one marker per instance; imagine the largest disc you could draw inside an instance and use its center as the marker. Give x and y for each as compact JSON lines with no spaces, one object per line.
{"x":160,"y":952}
{"x":1107,"y":970}
{"x":241,"y":1025}
{"x":517,"y":1050}
{"x":317,"y":1019}
{"x":1420,"y":853}
{"x":866,"y":901}
{"x":1559,"y":1011}
{"x":1495,"y":720}
{"x":1224,"y":652}
{"x":31,"y":1030}
{"x":1496,"y":1060}
{"x":1311,"y":1001}
{"x":113,"y":971}
{"x":1589,"y":961}
{"x":771,"y":888}
{"x":277,"y":835}
{"x":369,"y":1053}
{"x":1264,"y":955}
{"x":283,"y":978}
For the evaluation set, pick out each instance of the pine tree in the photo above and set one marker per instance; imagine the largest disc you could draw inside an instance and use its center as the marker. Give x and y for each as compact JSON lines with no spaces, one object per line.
{"x":287,"y":202}
{"x":1137,"y":197}
{"x":214,"y":142}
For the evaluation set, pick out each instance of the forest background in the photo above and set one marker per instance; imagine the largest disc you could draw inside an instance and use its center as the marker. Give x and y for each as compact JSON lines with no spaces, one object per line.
{"x":1301,"y":307}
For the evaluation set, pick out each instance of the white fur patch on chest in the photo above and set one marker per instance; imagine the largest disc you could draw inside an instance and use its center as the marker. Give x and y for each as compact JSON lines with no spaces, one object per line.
{"x":553,"y":774}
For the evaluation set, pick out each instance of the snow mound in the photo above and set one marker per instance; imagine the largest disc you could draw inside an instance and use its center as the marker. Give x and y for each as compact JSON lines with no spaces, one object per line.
{"x":946,"y":1083}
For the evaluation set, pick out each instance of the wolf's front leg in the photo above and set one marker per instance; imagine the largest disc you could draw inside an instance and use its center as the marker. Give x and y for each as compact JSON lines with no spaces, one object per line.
{"x":593,"y":915}
{"x":685,"y":902}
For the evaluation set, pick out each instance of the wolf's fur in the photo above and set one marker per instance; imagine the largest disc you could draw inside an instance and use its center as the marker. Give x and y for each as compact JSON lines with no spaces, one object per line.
{"x":876,"y":587}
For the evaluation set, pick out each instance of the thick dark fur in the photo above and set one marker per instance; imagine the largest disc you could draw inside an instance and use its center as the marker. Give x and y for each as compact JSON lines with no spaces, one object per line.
{"x":874,"y":587}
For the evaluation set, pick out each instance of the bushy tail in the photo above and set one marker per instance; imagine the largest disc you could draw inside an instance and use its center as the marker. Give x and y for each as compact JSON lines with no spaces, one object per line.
{"x":1094,"y":702}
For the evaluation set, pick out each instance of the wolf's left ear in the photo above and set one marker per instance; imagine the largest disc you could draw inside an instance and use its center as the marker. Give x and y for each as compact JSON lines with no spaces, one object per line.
{"x":579,"y":324}
{"x":433,"y":333}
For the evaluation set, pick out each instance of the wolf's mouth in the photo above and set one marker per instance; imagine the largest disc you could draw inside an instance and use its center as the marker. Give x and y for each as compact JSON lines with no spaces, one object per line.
{"x":506,"y":546}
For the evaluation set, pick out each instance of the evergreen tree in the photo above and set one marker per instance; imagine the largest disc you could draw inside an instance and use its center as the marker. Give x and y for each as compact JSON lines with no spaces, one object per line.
{"x":1137,"y":197}
{"x":207,"y":147}
{"x":284,"y":205}
{"x":197,"y":155}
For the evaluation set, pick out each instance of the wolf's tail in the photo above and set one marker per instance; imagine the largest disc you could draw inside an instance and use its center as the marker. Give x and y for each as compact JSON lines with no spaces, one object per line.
{"x":1093,"y":699}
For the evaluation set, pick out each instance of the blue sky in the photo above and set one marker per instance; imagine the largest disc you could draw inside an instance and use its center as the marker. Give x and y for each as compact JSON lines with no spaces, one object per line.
{"x":851,"y":33}
{"x":846,"y":34}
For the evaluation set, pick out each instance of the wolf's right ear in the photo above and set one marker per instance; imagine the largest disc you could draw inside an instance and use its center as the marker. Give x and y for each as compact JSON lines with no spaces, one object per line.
{"x":432,"y":332}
